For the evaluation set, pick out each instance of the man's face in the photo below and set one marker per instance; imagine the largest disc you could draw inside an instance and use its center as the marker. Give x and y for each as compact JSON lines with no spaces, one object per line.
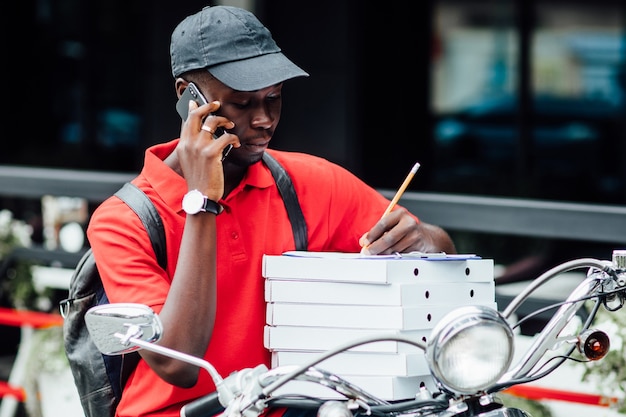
{"x":255,"y":114}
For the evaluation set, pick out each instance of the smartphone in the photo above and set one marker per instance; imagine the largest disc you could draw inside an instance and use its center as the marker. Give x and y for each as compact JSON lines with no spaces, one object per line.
{"x":192,"y":92}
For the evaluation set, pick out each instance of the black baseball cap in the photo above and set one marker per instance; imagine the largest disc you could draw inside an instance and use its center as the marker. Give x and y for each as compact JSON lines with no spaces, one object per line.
{"x":234,"y":46}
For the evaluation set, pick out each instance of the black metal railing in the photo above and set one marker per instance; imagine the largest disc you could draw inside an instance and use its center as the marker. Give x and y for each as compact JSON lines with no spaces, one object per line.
{"x":520,"y":217}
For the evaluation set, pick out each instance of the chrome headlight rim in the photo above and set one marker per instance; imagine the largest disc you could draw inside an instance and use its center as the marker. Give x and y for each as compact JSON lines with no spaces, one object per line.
{"x":466,"y":322}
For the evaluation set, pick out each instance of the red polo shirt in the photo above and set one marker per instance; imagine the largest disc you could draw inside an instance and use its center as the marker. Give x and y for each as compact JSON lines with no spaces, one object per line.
{"x":337,"y":206}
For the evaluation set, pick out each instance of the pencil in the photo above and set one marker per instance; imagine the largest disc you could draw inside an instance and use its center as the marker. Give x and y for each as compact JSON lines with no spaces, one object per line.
{"x":396,"y":197}
{"x":400,"y":191}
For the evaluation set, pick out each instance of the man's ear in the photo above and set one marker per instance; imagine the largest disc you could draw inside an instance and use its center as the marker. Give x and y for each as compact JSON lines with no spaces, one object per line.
{"x":180,"y":84}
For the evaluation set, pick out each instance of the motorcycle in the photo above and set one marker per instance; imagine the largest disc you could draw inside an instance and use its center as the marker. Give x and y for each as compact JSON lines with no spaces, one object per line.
{"x":470,"y":354}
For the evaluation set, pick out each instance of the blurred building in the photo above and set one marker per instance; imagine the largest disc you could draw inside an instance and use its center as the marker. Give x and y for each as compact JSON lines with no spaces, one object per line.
{"x":504,"y":98}
{"x":388,"y":87}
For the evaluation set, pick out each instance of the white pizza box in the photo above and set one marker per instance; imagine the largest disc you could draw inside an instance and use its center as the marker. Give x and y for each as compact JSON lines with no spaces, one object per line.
{"x":349,"y":267}
{"x":358,"y":316}
{"x":394,"y":294}
{"x":358,"y":363}
{"x":301,"y":338}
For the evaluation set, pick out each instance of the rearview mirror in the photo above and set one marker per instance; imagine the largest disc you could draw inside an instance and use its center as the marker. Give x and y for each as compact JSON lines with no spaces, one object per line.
{"x":111,"y":326}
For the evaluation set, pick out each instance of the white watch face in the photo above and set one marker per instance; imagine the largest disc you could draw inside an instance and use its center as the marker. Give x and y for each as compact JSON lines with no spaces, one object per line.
{"x":193,"y":202}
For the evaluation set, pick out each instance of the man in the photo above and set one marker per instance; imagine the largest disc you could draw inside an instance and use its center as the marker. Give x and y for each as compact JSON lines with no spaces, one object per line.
{"x":210,"y":299}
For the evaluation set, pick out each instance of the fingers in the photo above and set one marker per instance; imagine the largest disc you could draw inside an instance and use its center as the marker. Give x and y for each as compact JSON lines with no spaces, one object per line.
{"x":203,"y":118}
{"x":381,"y":236}
{"x":197,"y":114}
{"x":199,"y":151}
{"x":202,"y":126}
{"x":215,"y":125}
{"x":395,"y":232}
{"x":208,"y":129}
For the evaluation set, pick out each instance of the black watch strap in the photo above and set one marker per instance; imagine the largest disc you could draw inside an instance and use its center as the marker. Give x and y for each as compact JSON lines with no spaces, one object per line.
{"x":211,"y":206}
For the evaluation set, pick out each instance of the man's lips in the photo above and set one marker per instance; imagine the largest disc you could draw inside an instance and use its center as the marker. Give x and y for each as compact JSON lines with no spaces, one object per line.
{"x":256,"y":144}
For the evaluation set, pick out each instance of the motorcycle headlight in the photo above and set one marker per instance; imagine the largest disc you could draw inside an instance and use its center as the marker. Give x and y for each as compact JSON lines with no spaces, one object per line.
{"x":470,"y":349}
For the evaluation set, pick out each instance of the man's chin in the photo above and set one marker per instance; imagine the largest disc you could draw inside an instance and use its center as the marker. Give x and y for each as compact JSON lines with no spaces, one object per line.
{"x":243,"y":159}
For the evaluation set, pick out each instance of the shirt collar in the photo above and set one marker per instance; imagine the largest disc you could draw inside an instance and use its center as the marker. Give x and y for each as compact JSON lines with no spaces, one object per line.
{"x":171,"y":187}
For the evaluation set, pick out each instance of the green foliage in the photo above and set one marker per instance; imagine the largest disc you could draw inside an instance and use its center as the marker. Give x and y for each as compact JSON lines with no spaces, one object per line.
{"x":609,"y":373}
{"x":17,"y":286}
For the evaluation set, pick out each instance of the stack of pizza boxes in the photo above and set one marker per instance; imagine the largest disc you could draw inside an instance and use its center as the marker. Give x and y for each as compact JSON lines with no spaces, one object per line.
{"x":319,"y":301}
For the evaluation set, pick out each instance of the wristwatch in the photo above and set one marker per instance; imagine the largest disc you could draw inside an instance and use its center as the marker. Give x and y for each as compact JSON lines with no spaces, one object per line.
{"x":195,"y":202}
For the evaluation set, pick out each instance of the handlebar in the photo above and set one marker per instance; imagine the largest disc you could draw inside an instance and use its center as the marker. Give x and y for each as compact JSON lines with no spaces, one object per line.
{"x":248,"y":392}
{"x":209,"y":405}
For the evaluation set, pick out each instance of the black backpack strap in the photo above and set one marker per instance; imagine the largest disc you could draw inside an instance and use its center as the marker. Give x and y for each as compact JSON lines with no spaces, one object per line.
{"x":141,"y":204}
{"x":120,"y":367}
{"x":285,"y":187}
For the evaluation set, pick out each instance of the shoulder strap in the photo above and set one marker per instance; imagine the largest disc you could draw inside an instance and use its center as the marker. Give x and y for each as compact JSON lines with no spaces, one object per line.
{"x":141,"y":204}
{"x":285,"y":187}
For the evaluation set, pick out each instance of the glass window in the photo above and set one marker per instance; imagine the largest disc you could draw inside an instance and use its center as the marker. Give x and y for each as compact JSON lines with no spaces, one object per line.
{"x":530,"y":102}
{"x":91,"y":90}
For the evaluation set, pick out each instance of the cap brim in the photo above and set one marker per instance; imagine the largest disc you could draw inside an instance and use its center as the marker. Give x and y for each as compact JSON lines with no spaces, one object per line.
{"x":257,"y":73}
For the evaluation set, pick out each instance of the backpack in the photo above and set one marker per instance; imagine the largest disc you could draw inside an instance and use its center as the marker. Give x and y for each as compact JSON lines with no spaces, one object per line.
{"x":100,"y":378}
